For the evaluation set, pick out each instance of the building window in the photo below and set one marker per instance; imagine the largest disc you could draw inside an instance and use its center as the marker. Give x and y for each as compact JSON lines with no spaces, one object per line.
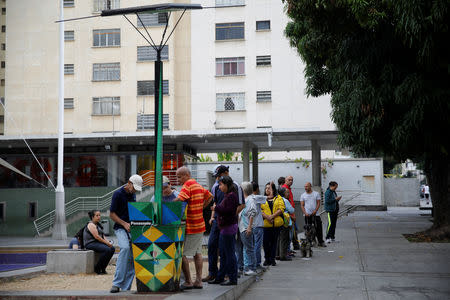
{"x":3,"y":64}
{"x":68,"y":103}
{"x":106,"y":106}
{"x":230,"y":101}
{"x":2,"y":211}
{"x":3,"y":28}
{"x":68,"y":69}
{"x":147,"y":121}
{"x":32,"y":210}
{"x":106,"y":37}
{"x":2,"y":82}
{"x":263,"y":96}
{"x":156,"y":19}
{"x":3,"y":46}
{"x":106,"y":72}
{"x":262,"y":25}
{"x":69,"y":3}
{"x":100,"y":5}
{"x":147,"y":87}
{"x":263,"y":60}
{"x":230,"y":66}
{"x":2,"y":100}
{"x":3,"y":10}
{"x":69,"y":35}
{"x":147,"y":53}
{"x":230,"y":2}
{"x":229,"y":31}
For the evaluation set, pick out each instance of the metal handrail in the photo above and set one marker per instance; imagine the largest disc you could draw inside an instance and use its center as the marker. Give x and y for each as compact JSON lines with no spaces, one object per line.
{"x":74,"y":206}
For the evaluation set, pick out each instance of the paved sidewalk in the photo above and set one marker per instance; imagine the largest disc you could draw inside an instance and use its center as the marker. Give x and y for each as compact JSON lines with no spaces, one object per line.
{"x":372,"y":261}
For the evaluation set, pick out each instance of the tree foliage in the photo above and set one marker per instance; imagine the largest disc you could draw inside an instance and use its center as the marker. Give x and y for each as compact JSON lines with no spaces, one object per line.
{"x":386,"y":65}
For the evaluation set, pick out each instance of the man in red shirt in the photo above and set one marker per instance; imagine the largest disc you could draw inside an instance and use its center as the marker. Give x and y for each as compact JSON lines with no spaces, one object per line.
{"x":288,"y":183}
{"x":197,"y":198}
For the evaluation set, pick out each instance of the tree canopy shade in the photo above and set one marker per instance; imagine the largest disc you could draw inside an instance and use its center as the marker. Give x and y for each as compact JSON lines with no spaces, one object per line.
{"x":386,"y":65}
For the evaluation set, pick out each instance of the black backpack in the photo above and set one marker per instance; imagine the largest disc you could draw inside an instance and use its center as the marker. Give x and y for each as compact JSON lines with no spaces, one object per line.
{"x":79,"y":234}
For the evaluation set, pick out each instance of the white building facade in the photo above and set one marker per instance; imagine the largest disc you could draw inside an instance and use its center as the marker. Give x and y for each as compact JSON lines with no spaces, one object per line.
{"x":244,"y":72}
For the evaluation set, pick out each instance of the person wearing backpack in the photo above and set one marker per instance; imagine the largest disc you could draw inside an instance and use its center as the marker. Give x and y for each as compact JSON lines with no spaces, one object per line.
{"x":94,"y":239}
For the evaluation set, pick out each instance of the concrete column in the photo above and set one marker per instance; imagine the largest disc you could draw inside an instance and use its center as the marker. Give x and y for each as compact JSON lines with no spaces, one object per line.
{"x":133,"y":164}
{"x":255,"y":164}
{"x":316,"y":174}
{"x":113,"y":173}
{"x":246,"y":161}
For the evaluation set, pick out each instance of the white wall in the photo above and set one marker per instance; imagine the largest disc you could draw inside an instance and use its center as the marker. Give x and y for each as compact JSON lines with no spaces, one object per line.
{"x":348,"y":173}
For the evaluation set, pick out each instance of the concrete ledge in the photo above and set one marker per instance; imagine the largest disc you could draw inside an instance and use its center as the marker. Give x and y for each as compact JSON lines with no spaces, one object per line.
{"x":70,"y":261}
{"x":370,"y":208}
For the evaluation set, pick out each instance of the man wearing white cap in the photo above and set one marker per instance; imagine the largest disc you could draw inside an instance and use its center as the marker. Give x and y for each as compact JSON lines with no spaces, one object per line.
{"x":123,"y":278}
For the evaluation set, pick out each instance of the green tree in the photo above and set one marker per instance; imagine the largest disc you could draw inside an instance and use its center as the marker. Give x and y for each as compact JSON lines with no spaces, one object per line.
{"x":386,"y":65}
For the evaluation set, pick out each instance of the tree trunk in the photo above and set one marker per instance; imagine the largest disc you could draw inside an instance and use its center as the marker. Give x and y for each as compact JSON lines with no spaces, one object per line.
{"x":439,"y":182}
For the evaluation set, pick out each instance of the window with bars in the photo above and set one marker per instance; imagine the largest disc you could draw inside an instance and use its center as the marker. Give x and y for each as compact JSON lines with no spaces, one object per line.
{"x":230,"y":31}
{"x":106,"y":72}
{"x":156,"y":19}
{"x":68,"y":103}
{"x":106,"y":37}
{"x":229,"y":2}
{"x":147,"y":87}
{"x":69,"y":35}
{"x":100,"y":5}
{"x":230,"y":101}
{"x":3,"y":64}
{"x":69,"y":3}
{"x":263,"y":25}
{"x":147,"y":53}
{"x":147,"y":121}
{"x":263,"y":96}
{"x":230,"y":66}
{"x":106,"y":106}
{"x":3,"y":46}
{"x":263,"y":60}
{"x":68,"y":69}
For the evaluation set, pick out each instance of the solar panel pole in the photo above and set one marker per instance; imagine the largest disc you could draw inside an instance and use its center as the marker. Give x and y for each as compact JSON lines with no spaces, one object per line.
{"x":158,"y":132}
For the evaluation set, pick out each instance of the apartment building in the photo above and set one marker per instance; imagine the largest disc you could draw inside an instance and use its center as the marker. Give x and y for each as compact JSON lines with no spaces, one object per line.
{"x":244,"y":72}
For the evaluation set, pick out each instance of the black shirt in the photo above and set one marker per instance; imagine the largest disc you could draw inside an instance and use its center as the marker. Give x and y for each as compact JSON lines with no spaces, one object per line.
{"x":119,"y":205}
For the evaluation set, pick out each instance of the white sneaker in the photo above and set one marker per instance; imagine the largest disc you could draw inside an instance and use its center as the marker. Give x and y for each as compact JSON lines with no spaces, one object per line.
{"x":328,"y":241}
{"x":249,"y":273}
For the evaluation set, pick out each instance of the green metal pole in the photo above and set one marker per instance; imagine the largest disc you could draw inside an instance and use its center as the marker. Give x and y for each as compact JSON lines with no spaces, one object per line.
{"x":158,"y":134}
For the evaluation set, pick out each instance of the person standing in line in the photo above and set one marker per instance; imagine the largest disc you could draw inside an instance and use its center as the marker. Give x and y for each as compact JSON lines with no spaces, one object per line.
{"x":332,"y":208}
{"x":197,"y":198}
{"x":168,"y":194}
{"x":283,"y":240}
{"x":310,"y":203}
{"x":258,"y":226}
{"x":123,"y":277}
{"x":227,"y":221}
{"x":246,"y":224}
{"x":293,"y":233}
{"x":213,"y":241}
{"x":271,"y":212}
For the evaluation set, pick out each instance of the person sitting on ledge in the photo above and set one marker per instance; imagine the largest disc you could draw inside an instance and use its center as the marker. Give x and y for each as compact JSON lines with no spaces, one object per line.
{"x":94,"y":239}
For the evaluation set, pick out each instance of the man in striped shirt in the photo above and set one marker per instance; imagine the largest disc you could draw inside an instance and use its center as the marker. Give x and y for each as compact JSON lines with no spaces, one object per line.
{"x":197,"y":198}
